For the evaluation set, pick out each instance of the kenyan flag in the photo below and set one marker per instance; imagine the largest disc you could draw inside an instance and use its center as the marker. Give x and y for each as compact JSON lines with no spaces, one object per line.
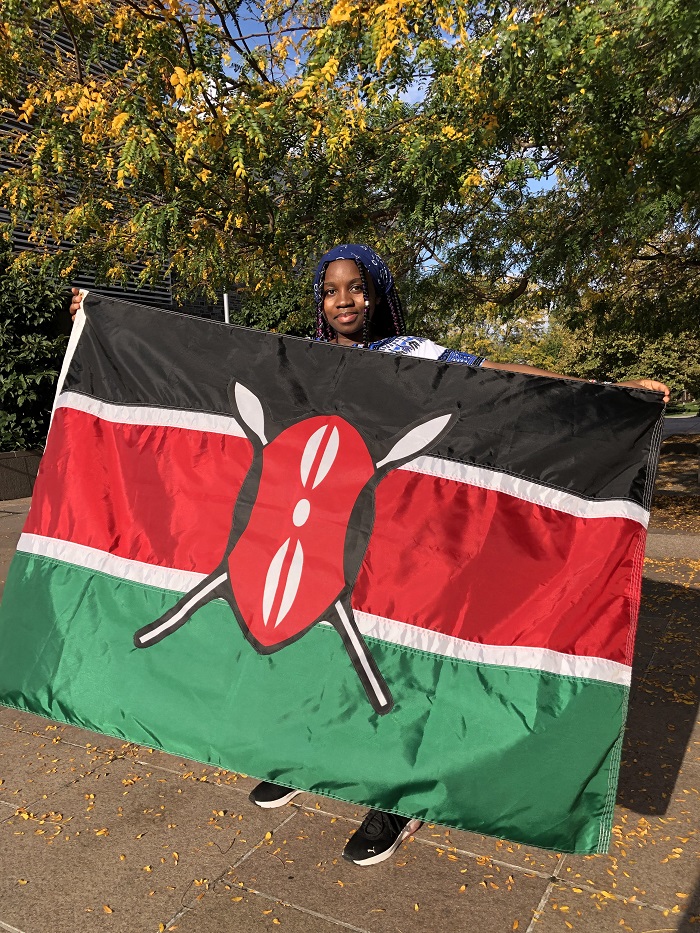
{"x":402,"y":583}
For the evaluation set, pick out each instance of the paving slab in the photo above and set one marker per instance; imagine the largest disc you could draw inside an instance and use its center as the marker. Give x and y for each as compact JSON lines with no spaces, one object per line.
{"x":34,"y":767}
{"x":15,"y":506}
{"x":584,"y":911}
{"x":21,"y":721}
{"x":227,"y":910}
{"x":125,"y":849}
{"x":455,"y":841}
{"x":684,"y":546}
{"x":651,"y":858}
{"x":423,"y":888}
{"x":195,"y":770}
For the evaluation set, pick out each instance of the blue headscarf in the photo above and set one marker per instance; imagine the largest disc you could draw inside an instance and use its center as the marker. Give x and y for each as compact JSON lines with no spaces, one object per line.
{"x":374,"y":264}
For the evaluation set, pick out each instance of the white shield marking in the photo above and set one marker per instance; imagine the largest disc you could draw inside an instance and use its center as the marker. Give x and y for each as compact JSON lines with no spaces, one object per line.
{"x":307,"y":458}
{"x":251,"y":410}
{"x":292,"y":585}
{"x":328,"y":458}
{"x":301,"y":513}
{"x":416,"y":440}
{"x":272,"y":580}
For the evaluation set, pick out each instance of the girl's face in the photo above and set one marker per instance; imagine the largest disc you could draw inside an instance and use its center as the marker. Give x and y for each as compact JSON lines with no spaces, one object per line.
{"x":344,"y":301}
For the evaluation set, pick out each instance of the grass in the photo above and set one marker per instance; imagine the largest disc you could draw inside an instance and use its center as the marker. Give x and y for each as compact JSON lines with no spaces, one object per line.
{"x":683,"y":408}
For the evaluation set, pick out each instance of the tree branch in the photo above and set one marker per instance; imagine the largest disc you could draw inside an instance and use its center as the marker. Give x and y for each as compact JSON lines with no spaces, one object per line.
{"x":76,"y":50}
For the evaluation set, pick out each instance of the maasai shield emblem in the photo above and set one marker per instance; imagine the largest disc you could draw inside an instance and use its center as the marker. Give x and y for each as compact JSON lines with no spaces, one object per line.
{"x":301,"y":526}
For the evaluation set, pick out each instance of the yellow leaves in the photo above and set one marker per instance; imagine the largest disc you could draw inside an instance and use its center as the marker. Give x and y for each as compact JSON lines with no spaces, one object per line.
{"x":342,"y":12}
{"x":119,"y":121}
{"x":179,"y":76}
{"x":472,"y":180}
{"x":107,"y":909}
{"x":330,"y":69}
{"x":22,"y":881}
{"x":26,"y":110}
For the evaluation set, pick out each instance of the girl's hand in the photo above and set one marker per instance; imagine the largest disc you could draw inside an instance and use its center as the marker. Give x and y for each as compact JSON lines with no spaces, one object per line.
{"x":648,"y":384}
{"x":76,"y":301}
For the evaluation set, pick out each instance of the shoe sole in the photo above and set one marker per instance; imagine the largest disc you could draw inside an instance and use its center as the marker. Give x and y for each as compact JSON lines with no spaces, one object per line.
{"x":273,"y":804}
{"x":408,"y":830}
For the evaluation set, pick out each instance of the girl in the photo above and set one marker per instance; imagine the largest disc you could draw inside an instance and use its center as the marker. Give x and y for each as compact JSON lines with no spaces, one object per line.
{"x":357,"y":305}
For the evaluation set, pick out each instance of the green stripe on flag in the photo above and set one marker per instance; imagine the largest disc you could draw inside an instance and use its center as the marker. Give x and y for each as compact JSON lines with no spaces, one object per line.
{"x":502,"y":751}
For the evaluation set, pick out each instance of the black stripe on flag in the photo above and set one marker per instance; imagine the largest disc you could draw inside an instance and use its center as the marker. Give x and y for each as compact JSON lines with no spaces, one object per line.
{"x":594,"y":440}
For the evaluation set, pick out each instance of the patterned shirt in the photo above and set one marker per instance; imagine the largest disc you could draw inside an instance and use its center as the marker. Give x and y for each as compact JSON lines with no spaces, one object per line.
{"x":424,"y":349}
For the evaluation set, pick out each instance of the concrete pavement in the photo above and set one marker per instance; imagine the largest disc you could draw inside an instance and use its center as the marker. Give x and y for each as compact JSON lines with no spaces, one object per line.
{"x":681,"y":424}
{"x":100,"y":835}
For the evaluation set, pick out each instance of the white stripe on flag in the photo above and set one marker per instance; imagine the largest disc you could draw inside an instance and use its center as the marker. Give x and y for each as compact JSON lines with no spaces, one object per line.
{"x":528,"y":491}
{"x":484,"y":478}
{"x":388,"y":630}
{"x":151,"y":417}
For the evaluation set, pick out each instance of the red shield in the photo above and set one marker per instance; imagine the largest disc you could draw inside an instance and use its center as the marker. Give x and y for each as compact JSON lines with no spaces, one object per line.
{"x":286,"y":569}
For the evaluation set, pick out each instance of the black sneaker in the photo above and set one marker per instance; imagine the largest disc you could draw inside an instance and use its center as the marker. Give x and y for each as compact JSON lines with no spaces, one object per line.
{"x":270,"y":795}
{"x":379,"y":835}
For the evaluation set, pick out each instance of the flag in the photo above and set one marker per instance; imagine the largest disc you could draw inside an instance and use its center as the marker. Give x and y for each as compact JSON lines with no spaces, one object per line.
{"x":402,"y":583}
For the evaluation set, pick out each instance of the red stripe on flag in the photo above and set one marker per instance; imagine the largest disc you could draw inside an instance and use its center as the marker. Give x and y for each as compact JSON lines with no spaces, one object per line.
{"x":491,"y":568}
{"x":159,"y":495}
{"x":472,"y":563}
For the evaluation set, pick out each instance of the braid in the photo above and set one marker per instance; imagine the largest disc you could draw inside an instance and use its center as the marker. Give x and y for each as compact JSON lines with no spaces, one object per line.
{"x":397,"y":316}
{"x":324,"y":331}
{"x":366,"y":323}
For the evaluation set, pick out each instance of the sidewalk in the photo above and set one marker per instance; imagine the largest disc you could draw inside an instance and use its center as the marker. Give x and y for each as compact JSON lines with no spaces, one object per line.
{"x":99,"y":835}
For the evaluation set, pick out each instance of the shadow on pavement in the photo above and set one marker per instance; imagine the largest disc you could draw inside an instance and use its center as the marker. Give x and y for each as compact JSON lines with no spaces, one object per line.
{"x":691,"y":918}
{"x":663,"y":698}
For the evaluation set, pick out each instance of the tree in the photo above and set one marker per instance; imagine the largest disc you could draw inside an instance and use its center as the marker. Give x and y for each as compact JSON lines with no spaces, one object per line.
{"x":33,"y":311}
{"x":506,"y":151}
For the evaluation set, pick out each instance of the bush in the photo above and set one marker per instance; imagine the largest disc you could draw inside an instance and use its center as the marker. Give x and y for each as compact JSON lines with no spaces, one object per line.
{"x":33,"y":335}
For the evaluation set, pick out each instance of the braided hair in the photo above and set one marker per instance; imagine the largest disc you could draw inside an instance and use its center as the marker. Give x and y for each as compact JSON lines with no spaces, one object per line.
{"x":387,"y":321}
